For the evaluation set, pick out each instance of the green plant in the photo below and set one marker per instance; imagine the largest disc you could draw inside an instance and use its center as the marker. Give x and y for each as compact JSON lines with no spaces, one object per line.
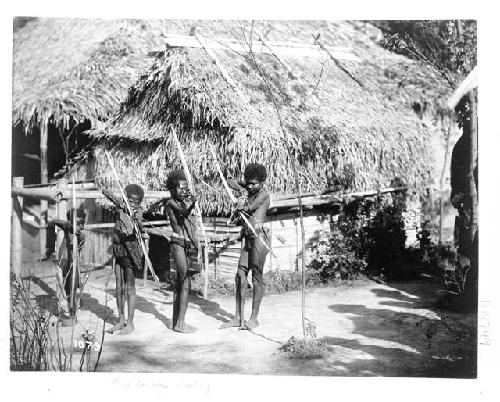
{"x":303,"y":348}
{"x":35,"y":341}
{"x":333,"y":257}
{"x":368,"y":239}
{"x":35,"y":344}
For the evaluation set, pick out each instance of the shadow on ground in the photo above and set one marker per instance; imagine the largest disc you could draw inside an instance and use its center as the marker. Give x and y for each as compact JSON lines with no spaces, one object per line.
{"x":179,"y":359}
{"x":407,"y":343}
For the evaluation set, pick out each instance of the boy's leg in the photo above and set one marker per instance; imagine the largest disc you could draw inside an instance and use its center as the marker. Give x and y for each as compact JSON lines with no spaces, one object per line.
{"x":120,"y":296}
{"x":129,"y":276}
{"x":256,"y":261}
{"x":67,"y":272}
{"x":183,"y":286}
{"x":62,"y":300}
{"x":241,"y":286}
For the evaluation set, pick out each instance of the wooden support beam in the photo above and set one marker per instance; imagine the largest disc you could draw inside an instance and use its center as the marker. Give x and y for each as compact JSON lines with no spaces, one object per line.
{"x":53,"y":194}
{"x":281,"y":48}
{"x":326,"y":199}
{"x":16,"y":246}
{"x":38,"y":194}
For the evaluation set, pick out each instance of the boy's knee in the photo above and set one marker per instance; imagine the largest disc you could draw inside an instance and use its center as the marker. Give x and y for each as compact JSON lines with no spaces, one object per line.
{"x":257,"y":280}
{"x":120,"y":290}
{"x":240,"y":275}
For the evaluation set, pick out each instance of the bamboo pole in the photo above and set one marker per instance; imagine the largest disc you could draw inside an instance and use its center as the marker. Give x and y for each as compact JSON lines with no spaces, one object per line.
{"x":16,"y":230}
{"x":43,"y":179}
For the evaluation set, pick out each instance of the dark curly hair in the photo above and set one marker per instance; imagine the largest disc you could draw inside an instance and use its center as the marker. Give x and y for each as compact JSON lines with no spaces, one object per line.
{"x":255,"y":171}
{"x":463,"y":111}
{"x":134,"y":189}
{"x":80,"y":214}
{"x":174,"y":177}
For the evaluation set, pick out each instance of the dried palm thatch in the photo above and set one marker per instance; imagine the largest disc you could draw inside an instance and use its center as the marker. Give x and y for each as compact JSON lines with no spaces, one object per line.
{"x":338,"y":130}
{"x":67,"y":68}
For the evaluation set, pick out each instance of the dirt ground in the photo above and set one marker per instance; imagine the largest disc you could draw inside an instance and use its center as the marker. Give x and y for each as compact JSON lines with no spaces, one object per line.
{"x":371,"y":329}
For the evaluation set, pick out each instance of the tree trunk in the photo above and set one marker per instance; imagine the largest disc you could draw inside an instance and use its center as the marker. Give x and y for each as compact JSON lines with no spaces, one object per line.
{"x":447,"y":134}
{"x":16,"y":248}
{"x":472,"y":166}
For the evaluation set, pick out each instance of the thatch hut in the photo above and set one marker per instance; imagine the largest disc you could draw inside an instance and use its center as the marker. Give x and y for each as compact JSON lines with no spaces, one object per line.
{"x":350,"y":110}
{"x":70,"y":75}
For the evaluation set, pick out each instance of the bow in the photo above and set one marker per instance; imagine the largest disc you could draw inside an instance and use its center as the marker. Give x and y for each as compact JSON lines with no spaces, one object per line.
{"x":134,"y":223}
{"x":196,"y":206}
{"x":234,"y":201}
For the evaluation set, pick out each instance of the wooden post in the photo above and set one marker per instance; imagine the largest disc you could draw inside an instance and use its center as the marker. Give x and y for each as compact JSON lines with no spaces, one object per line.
{"x":75,"y":254}
{"x":472,"y":166}
{"x":44,"y":178}
{"x":216,"y":274}
{"x":62,"y":210}
{"x":271,"y":234}
{"x":145,"y":274}
{"x":16,"y":247}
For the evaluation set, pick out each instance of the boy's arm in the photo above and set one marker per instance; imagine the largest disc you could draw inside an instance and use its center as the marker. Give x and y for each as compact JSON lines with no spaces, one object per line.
{"x":138,"y":218}
{"x":81,"y":241}
{"x":158,"y":204}
{"x":182,"y":210}
{"x":64,"y":225}
{"x":113,"y":198}
{"x":261,"y":198}
{"x":236,"y":185}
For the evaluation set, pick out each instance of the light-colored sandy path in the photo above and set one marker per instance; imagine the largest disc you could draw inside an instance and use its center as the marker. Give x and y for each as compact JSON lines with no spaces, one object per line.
{"x":371,"y":329}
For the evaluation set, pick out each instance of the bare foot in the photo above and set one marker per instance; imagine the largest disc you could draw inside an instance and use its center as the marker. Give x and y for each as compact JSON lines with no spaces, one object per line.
{"x":235,"y":322}
{"x":128,"y":329}
{"x":185,"y":329}
{"x":252,"y":323}
{"x":116,"y":327}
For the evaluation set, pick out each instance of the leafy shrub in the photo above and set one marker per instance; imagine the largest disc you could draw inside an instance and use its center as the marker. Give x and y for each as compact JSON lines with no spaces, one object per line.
{"x":368,"y":239}
{"x":334,"y":258}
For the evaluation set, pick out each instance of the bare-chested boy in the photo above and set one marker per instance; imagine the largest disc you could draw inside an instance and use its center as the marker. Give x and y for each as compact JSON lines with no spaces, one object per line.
{"x":253,"y":255}
{"x":127,"y":252}
{"x":179,"y":209}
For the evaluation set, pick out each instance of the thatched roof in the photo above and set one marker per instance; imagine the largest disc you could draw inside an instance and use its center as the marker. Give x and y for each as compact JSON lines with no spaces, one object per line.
{"x":79,"y":68}
{"x":360,"y":136}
